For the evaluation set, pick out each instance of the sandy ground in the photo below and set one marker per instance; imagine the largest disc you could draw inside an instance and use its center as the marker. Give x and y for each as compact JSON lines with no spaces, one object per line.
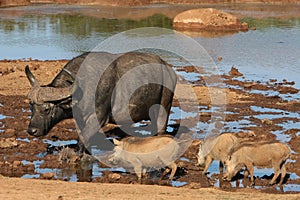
{"x":14,"y":188}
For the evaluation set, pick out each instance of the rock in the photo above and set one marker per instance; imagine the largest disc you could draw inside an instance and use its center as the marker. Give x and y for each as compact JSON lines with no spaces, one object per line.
{"x":114,"y":176}
{"x":267,"y":121}
{"x":68,"y":156}
{"x":235,"y":72}
{"x":16,"y":164}
{"x":246,"y":134}
{"x":60,"y":198}
{"x":194,"y":185}
{"x":208,"y":19}
{"x":48,"y":175}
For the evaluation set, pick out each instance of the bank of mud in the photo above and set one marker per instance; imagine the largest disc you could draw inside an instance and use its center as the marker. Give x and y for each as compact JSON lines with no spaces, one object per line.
{"x":247,"y":109}
{"x":130,"y":3}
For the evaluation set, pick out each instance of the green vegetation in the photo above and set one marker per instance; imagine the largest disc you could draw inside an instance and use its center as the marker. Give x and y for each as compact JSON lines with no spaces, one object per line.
{"x":272,"y":22}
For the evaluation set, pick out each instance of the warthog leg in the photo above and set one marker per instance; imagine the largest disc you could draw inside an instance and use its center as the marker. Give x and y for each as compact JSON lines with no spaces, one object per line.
{"x":250,"y":169}
{"x":276,"y":174}
{"x":138,"y":169}
{"x":221,"y":166}
{"x":173,"y":168}
{"x":283,"y":173}
{"x":207,"y":164}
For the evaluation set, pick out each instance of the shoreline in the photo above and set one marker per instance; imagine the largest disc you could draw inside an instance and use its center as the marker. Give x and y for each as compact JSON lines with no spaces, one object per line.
{"x":134,"y":3}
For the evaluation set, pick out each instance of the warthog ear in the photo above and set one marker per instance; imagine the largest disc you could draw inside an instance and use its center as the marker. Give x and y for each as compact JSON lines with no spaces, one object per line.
{"x":228,"y":157}
{"x":116,"y":142}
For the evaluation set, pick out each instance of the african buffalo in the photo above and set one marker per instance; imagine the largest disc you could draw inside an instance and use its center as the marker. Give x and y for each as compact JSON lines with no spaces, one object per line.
{"x":143,"y":153}
{"x":215,"y":148}
{"x":261,"y":154}
{"x":149,"y":81}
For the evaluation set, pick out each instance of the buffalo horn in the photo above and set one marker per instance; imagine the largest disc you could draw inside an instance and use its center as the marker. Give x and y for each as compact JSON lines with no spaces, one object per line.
{"x":43,"y":94}
{"x":55,"y":94}
{"x":30,"y":76}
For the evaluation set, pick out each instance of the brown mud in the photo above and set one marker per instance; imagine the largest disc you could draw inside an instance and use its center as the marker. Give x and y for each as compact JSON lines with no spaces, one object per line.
{"x":6,"y":3}
{"x":19,"y":152}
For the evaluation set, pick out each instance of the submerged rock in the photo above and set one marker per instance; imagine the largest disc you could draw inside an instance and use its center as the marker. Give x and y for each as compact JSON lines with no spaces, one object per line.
{"x":208,"y":19}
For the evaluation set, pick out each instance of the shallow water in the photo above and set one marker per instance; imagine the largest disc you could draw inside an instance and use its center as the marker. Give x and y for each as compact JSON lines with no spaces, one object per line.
{"x":62,"y":32}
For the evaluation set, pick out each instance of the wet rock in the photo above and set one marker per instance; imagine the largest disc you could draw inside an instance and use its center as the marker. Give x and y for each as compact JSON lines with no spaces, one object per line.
{"x":48,"y":175}
{"x":267,"y":121}
{"x":194,"y":185}
{"x":68,"y":156}
{"x":235,"y":72}
{"x":249,"y":85}
{"x":8,"y":143}
{"x":114,"y":176}
{"x":208,"y":19}
{"x":246,"y":134}
{"x":288,"y":90}
{"x":16,"y":164}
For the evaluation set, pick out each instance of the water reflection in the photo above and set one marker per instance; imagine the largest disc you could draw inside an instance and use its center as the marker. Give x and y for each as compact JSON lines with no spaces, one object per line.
{"x":79,"y":25}
{"x":62,"y":35}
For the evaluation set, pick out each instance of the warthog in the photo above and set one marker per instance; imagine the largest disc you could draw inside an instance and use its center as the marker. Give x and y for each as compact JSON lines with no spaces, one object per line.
{"x":149,"y":152}
{"x":262,"y":154}
{"x":215,"y":148}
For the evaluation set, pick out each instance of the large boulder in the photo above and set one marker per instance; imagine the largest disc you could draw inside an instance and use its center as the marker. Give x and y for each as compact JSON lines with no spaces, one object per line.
{"x":208,"y":19}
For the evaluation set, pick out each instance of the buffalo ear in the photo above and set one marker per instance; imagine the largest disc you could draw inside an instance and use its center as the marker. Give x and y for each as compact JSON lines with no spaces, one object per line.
{"x":66,"y":104}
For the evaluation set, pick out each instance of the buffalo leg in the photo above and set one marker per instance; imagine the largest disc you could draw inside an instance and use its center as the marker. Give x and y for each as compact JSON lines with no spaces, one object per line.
{"x":164,"y":110}
{"x":90,"y":136}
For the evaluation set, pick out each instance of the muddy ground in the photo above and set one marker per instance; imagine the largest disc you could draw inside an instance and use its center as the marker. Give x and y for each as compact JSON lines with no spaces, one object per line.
{"x":22,"y":155}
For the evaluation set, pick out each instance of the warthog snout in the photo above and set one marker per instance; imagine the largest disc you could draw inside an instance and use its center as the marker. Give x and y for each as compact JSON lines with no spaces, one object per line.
{"x":226,"y":178}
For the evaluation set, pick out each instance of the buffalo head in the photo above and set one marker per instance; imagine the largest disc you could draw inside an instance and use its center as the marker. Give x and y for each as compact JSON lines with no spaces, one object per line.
{"x":49,"y":105}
